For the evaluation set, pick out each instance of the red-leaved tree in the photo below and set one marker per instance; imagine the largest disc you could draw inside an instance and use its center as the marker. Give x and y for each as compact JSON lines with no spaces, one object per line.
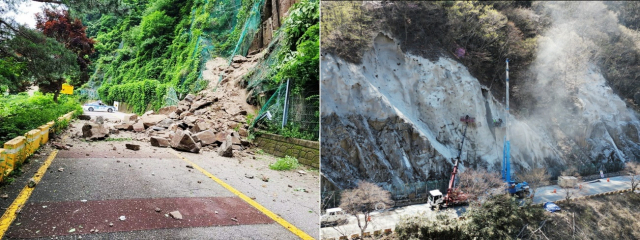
{"x":69,"y":31}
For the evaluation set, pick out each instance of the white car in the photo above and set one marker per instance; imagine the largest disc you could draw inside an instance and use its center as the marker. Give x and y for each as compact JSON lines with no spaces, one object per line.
{"x":333,"y":217}
{"x":98,"y":107}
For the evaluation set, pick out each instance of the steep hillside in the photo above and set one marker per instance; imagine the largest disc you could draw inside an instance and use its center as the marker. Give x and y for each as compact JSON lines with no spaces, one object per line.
{"x":158,"y":51}
{"x":392,"y":103}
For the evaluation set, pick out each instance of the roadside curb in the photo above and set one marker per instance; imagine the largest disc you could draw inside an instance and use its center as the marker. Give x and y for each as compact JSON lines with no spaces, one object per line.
{"x":16,"y":150}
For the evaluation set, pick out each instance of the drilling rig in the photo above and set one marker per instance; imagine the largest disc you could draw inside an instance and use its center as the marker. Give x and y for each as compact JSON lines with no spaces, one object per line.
{"x":513,"y":187}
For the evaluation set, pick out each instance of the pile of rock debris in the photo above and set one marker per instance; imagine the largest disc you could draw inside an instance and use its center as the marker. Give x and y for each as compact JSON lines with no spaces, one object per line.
{"x":198,"y":122}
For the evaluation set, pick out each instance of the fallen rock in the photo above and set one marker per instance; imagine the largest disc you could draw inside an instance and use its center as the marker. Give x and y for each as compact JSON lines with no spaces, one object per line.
{"x":60,"y":169}
{"x":249,"y":176}
{"x":239,"y":59}
{"x":200,"y":126}
{"x":201,"y":104}
{"x":94,"y":131}
{"x":138,"y":127}
{"x":226,"y":149}
{"x":235,"y":137}
{"x":221,"y":136}
{"x":185,"y":114}
{"x":32,"y":183}
{"x":160,"y":142}
{"x":206,"y":137}
{"x":176,"y":215}
{"x":84,"y":117}
{"x":189,"y":98}
{"x":152,"y":120}
{"x":100,"y":120}
{"x":133,"y":147}
{"x":124,"y":126}
{"x":184,"y":142}
{"x":243,"y":132}
{"x":158,"y":209}
{"x":129,"y":118}
{"x":165,"y":123}
{"x":60,"y":146}
{"x":167,"y":110}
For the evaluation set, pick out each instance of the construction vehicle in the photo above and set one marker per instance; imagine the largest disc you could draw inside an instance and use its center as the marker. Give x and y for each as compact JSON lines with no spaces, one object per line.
{"x":514,"y":188}
{"x":454,"y":195}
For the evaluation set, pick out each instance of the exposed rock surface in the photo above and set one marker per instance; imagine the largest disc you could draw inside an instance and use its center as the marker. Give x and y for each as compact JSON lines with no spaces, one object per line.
{"x":394,"y":119}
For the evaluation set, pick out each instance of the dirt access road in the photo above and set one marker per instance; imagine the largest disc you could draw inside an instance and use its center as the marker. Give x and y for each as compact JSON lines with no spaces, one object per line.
{"x":101,"y":190}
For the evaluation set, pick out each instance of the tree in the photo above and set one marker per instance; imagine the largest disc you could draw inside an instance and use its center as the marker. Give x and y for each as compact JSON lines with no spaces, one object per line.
{"x":362,"y":201}
{"x":58,"y":24}
{"x":536,"y":178}
{"x":633,"y":169}
{"x":46,"y":62}
{"x":479,"y":183}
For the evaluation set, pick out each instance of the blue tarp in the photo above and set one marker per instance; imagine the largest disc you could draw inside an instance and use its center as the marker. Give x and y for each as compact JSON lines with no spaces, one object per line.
{"x":551,"y":207}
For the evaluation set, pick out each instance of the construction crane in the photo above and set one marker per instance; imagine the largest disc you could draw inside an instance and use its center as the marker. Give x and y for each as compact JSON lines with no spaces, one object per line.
{"x":514,"y":188}
{"x":454,"y":195}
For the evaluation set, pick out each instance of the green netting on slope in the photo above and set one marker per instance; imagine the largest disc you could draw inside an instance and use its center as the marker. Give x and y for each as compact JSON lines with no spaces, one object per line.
{"x":249,"y":30}
{"x":271,"y":114}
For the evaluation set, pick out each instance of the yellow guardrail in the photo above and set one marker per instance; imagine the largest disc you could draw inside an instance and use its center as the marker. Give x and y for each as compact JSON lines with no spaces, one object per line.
{"x":16,"y":150}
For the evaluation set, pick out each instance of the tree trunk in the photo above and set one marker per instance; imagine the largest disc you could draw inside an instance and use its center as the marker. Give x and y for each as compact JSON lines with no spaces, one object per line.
{"x":55,"y":96}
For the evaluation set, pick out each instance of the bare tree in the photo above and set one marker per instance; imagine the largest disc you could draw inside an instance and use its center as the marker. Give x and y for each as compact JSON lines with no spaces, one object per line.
{"x":536,"y":178}
{"x":478,"y":184}
{"x":572,"y":192}
{"x":362,"y":200}
{"x":633,"y":169}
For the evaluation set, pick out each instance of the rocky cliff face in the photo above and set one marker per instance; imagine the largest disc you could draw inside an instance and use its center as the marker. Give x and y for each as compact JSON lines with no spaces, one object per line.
{"x":394,"y":119}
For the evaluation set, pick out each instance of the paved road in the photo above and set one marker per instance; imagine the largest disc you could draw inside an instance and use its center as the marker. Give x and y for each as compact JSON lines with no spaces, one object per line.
{"x":87,"y":189}
{"x":389,"y":219}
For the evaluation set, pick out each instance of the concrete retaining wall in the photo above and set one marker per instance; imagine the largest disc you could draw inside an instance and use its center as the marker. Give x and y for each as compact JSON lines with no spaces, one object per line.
{"x":307,"y":152}
{"x":16,"y":150}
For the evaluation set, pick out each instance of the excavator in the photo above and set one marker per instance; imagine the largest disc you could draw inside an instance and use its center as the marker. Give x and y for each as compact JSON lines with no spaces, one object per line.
{"x":454,"y":196}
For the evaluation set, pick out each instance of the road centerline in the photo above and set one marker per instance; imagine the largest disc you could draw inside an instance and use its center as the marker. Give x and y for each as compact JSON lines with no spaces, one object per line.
{"x":10,"y":214}
{"x":247,"y":199}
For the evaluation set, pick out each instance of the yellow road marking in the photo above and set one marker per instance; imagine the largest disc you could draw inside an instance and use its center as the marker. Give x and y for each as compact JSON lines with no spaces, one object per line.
{"x":253,"y":203}
{"x":10,"y":214}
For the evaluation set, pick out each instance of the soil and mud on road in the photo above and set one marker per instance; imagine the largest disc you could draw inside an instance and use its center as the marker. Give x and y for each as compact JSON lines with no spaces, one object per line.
{"x":184,"y":172}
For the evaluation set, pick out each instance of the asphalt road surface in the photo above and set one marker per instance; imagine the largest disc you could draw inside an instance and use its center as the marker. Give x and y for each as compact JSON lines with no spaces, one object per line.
{"x":100,"y":190}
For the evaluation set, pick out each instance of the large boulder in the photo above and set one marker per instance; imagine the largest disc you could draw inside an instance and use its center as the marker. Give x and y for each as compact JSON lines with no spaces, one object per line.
{"x":94,"y":131}
{"x":221,"y":137}
{"x":226,"y":149}
{"x":160,"y":142}
{"x":206,"y":137}
{"x":184,"y":142}
{"x":152,"y":120}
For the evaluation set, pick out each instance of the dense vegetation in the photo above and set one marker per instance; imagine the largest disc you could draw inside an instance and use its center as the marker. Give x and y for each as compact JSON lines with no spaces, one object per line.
{"x":502,"y":217}
{"x":21,"y":113}
{"x":160,"y":45}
